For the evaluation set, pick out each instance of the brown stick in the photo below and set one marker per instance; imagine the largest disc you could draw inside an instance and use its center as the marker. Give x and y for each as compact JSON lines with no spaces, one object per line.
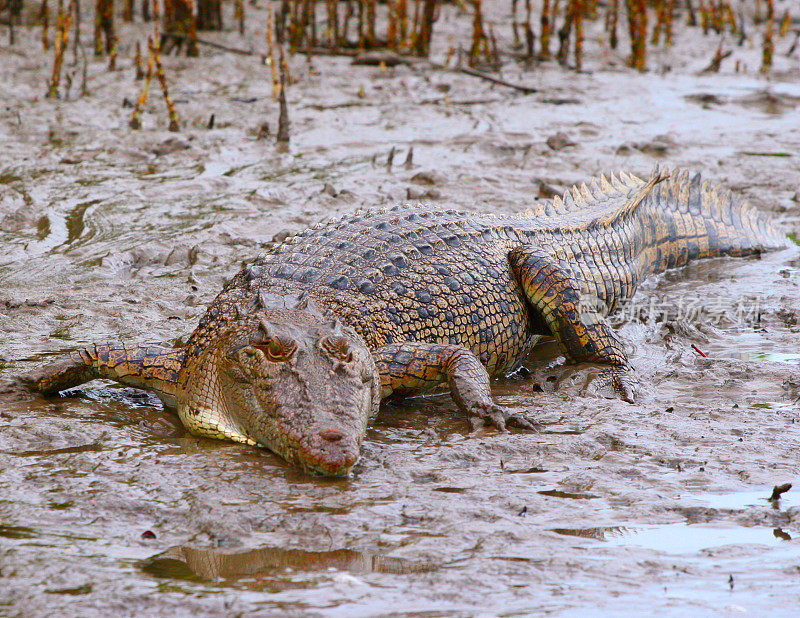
{"x":112,"y":58}
{"x":233,"y":50}
{"x":192,"y":50}
{"x":478,"y":35}
{"x":75,"y":8}
{"x":370,"y":38}
{"x":137,"y":61}
{"x":656,"y":36}
{"x":98,"y":36}
{"x":402,"y":21}
{"x":613,"y":19}
{"x":239,"y":11}
{"x":547,"y":28}
{"x":62,"y":36}
{"x":271,"y":59}
{"x":342,"y":36}
{"x":716,"y":61}
{"x":391,"y":26}
{"x":793,"y":46}
{"x":423,"y":42}
{"x":530,"y":38}
{"x":44,"y":15}
{"x":104,"y":27}
{"x":668,"y":22}
{"x":641,"y":56}
{"x":283,"y":116}
{"x":488,"y":78}
{"x":136,"y":115}
{"x":778,"y":490}
{"x":174,"y":121}
{"x":785,"y":21}
{"x":768,"y":48}
{"x":515,"y":24}
{"x":637,"y":25}
{"x":564,"y":33}
{"x":580,"y":7}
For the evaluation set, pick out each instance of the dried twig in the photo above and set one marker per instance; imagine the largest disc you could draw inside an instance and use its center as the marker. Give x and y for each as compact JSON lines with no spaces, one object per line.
{"x":271,"y":59}
{"x":778,"y":490}
{"x":174,"y":121}
{"x":44,"y":16}
{"x":136,"y":115}
{"x":487,"y":77}
{"x":233,"y":50}
{"x":62,"y":37}
{"x":716,"y":61}
{"x":137,"y":61}
{"x":283,"y":117}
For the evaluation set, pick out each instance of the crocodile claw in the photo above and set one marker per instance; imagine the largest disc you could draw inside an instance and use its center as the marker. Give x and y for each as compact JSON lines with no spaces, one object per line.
{"x":497,"y":416}
{"x":617,"y":382}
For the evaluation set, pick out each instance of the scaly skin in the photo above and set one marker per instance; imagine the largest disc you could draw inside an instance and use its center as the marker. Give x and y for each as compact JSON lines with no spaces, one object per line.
{"x":299,"y":348}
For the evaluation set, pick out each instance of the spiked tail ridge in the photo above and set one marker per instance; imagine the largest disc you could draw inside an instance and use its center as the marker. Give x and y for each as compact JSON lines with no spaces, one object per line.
{"x":732,"y":225}
{"x":674,"y":217}
{"x":676,"y":210}
{"x":638,"y":191}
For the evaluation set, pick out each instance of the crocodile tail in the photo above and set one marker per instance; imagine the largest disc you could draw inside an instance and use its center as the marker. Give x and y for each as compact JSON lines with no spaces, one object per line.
{"x":724,"y":223}
{"x":683,"y":218}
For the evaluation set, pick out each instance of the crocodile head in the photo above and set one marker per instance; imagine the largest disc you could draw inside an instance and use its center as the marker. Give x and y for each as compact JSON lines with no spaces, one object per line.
{"x":301,"y":385}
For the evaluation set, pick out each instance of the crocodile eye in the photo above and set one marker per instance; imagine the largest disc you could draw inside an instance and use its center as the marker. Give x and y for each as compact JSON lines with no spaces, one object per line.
{"x":338,"y":348}
{"x":277,"y":350}
{"x":243,"y":354}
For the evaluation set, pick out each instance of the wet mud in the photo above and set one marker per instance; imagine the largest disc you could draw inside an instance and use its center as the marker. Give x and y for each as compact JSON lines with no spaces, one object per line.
{"x":108,"y":506}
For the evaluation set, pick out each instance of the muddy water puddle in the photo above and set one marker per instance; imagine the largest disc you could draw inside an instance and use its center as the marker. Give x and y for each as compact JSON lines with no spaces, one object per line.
{"x":745,"y":499}
{"x":684,"y":539}
{"x":193,"y":564}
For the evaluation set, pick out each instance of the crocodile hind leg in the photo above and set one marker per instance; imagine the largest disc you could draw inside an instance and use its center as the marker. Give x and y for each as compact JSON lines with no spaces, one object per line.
{"x":149,"y":367}
{"x":415,"y":366}
{"x":573,"y":317}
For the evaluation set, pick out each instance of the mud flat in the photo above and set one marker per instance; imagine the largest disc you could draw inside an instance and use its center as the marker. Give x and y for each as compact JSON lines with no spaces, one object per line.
{"x":107,"y":506}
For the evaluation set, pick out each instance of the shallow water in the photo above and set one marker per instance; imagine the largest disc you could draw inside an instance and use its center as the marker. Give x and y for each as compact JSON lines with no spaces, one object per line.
{"x":685,"y":539}
{"x":107,"y":506}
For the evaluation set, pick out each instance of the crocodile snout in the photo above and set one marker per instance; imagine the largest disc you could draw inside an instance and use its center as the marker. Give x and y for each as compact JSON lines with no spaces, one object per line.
{"x":331,"y":435}
{"x":330,"y":452}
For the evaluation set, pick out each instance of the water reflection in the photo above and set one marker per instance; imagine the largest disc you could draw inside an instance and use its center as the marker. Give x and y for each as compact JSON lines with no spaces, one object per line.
{"x":748,"y":498}
{"x":681,"y":538}
{"x":17,"y":532}
{"x":188,"y":563}
{"x":602,"y":533}
{"x":555,"y":493}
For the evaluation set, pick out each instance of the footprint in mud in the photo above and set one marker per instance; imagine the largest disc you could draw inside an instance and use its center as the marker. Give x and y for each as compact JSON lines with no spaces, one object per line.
{"x":769,"y":102}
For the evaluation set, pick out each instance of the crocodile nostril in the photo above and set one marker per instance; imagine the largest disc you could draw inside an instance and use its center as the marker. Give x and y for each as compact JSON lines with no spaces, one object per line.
{"x":331,"y":435}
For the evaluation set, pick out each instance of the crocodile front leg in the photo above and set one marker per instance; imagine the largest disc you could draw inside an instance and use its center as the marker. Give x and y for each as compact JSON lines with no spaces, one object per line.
{"x":575,"y":321}
{"x":149,"y":367}
{"x":415,"y":366}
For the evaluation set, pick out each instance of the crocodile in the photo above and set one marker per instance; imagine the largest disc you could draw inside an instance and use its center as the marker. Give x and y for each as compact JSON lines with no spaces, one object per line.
{"x":300,"y":347}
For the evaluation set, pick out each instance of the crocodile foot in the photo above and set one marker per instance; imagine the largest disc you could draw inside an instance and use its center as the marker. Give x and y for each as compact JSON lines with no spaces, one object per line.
{"x":616,"y":382}
{"x":493,"y":415}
